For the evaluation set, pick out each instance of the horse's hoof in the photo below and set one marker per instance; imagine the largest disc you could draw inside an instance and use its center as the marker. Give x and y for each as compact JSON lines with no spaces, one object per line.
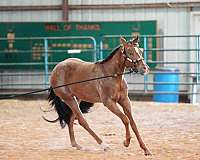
{"x":78,"y":147}
{"x":104,"y":146}
{"x":107,"y":148}
{"x":147,"y":153}
{"x":126,"y":144}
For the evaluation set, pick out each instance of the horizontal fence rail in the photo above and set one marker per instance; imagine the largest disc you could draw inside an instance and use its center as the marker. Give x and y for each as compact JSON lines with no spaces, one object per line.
{"x":48,"y":51}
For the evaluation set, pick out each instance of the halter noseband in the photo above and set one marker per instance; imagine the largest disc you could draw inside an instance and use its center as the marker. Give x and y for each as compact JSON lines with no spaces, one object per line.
{"x":135,"y":61}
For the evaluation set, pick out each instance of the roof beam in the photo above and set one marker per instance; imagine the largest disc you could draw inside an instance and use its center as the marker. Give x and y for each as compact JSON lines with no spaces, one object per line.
{"x":65,"y":10}
{"x":30,"y":8}
{"x":136,"y":6}
{"x":65,"y":7}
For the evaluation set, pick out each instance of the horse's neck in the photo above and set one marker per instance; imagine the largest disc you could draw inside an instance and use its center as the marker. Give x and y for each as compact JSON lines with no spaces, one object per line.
{"x":116,"y":64}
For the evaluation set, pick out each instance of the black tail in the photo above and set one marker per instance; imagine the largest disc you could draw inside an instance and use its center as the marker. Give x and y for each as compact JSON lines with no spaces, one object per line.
{"x":63,"y":110}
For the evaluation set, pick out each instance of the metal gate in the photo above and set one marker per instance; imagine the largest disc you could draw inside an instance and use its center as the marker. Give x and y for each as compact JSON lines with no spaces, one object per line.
{"x":27,"y":67}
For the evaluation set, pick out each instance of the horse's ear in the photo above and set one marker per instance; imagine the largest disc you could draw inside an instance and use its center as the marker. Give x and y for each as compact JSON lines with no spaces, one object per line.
{"x":123,"y":41}
{"x":136,"y":39}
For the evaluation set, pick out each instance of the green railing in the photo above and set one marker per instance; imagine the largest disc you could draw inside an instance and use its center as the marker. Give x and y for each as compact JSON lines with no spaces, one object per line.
{"x":41,"y":54}
{"x":36,"y":56}
{"x":159,"y":46}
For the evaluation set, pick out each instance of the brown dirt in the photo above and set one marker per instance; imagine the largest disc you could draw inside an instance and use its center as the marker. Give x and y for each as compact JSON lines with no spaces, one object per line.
{"x":171,"y":131}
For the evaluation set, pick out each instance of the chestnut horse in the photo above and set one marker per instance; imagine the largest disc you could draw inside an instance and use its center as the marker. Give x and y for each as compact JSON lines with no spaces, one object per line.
{"x":71,"y":101}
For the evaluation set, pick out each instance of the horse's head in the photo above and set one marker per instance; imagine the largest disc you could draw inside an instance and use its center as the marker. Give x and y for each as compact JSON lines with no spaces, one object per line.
{"x":133,"y":56}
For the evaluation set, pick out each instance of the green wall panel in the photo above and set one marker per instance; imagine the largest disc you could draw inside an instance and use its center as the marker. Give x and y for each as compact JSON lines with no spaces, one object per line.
{"x":32,"y":50}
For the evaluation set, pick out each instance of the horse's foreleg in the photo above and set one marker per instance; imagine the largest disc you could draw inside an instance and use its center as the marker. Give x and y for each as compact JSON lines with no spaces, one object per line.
{"x":71,"y":133}
{"x":126,"y":105}
{"x":112,"y":106}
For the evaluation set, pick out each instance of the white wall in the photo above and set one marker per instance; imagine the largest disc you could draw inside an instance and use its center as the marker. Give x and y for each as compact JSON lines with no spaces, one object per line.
{"x":31,"y":16}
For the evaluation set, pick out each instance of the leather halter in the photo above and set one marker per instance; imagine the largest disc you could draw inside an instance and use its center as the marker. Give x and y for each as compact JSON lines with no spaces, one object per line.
{"x":134,"y":61}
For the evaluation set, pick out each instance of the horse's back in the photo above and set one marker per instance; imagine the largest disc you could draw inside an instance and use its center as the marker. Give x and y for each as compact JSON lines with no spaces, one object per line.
{"x":71,"y":63}
{"x":72,"y":69}
{"x":74,"y":61}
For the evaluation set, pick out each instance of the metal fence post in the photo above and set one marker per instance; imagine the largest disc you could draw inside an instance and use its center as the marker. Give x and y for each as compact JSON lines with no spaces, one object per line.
{"x":145,"y":59}
{"x":198,"y":58}
{"x":95,"y":49}
{"x":101,"y":49}
{"x":46,"y":79}
{"x":196,"y":79}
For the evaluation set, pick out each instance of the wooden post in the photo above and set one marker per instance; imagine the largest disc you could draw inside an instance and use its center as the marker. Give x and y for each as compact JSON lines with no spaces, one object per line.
{"x":65,"y":10}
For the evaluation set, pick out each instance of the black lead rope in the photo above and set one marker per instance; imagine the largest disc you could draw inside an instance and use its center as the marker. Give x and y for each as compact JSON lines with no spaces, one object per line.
{"x":68,"y":84}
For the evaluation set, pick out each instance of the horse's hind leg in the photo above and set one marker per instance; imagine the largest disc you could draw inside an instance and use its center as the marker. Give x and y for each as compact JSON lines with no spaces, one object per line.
{"x":72,"y":103}
{"x":112,"y":106}
{"x":71,"y":133}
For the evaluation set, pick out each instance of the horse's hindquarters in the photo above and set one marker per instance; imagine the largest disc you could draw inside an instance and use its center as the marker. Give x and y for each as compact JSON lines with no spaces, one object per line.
{"x":72,"y":71}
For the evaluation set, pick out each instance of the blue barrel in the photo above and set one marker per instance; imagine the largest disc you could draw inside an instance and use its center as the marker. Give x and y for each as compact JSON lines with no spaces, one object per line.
{"x":165,"y":76}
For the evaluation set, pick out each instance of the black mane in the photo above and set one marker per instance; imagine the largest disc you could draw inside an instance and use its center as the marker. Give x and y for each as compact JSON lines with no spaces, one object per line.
{"x":110,"y":56}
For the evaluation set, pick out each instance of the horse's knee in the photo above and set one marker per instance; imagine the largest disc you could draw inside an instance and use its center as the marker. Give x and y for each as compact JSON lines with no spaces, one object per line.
{"x":125,"y":120}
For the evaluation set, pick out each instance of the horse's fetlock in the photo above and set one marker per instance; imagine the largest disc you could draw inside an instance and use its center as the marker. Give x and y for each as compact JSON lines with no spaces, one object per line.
{"x":143,"y":146}
{"x":129,"y":138}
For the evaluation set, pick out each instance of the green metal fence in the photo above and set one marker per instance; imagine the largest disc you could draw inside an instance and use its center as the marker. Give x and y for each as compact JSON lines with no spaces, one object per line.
{"x":20,"y":69}
{"x":44,"y":54}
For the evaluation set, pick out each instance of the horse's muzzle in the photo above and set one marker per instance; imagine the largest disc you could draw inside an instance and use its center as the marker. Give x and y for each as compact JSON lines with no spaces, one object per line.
{"x":145,"y":70}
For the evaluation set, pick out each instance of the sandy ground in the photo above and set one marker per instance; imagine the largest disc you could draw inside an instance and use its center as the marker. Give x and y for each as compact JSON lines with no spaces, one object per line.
{"x":170,"y":131}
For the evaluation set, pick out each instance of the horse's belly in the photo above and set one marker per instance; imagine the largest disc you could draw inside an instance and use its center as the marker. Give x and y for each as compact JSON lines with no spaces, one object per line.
{"x":86,"y":92}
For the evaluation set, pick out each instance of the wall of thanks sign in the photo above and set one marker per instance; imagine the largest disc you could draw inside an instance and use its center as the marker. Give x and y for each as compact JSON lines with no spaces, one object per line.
{"x":32,"y":50}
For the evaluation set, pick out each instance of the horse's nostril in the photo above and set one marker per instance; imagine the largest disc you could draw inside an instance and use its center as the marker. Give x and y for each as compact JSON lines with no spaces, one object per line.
{"x":144,"y":68}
